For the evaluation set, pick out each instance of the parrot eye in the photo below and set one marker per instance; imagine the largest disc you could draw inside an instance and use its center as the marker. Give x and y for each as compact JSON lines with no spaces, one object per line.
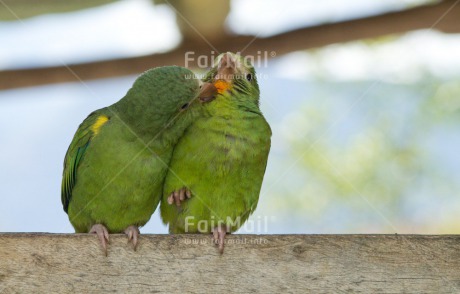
{"x":249,"y":77}
{"x":185,"y":106}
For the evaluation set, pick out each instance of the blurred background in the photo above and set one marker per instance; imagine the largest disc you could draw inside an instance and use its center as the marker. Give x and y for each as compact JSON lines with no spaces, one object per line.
{"x":363,"y":98}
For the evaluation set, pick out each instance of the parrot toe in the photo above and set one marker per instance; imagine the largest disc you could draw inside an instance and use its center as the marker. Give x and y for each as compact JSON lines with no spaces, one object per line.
{"x":103,"y":235}
{"x":179,"y":196}
{"x":218,"y":237}
{"x":133,"y":235}
{"x":182,"y":194}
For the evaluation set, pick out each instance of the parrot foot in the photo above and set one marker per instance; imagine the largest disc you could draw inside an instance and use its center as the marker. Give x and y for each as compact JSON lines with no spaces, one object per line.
{"x":133,"y":235}
{"x":179,"y":196}
{"x":102,"y":234}
{"x":218,"y":237}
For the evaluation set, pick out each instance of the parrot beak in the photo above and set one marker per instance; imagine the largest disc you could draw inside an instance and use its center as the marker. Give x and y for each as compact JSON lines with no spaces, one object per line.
{"x":207,"y":93}
{"x":226,"y":69}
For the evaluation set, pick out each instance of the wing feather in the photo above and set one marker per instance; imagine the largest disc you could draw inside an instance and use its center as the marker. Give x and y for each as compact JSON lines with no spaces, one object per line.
{"x":76,"y":151}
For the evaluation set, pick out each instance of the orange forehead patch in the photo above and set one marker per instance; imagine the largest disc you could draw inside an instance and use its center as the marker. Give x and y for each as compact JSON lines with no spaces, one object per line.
{"x":221,"y":86}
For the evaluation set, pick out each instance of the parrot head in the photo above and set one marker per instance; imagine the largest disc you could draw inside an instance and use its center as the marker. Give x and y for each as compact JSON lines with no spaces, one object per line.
{"x":167,"y":97}
{"x":234,"y":79}
{"x":171,"y":89}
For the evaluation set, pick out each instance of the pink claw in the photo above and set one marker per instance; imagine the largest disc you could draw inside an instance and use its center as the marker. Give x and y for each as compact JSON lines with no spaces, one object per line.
{"x":218,"y":237}
{"x":133,"y":235}
{"x":103,"y":235}
{"x":179,"y":196}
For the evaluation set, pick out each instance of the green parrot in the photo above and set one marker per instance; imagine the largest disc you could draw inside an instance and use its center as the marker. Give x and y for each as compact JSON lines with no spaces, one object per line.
{"x":115,"y":166}
{"x":218,"y":165}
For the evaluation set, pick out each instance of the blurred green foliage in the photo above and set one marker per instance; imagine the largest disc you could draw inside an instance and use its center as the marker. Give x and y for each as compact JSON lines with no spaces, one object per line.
{"x":374,"y":147}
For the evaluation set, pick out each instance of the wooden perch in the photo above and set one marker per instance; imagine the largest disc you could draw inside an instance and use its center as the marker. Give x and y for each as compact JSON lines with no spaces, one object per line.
{"x":442,"y":16}
{"x":74,"y":263}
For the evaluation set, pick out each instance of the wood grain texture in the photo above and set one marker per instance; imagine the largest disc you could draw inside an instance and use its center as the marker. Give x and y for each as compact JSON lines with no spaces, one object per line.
{"x":74,"y":263}
{"x":442,"y":16}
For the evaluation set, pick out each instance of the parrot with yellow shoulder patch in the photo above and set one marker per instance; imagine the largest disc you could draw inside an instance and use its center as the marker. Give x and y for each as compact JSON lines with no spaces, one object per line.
{"x":115,"y":166}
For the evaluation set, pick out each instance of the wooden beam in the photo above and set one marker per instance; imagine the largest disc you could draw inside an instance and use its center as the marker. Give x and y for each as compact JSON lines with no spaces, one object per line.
{"x":442,"y":16}
{"x":74,"y":263}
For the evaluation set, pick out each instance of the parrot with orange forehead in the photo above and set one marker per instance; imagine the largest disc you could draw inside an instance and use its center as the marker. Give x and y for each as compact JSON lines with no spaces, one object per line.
{"x":218,"y":165}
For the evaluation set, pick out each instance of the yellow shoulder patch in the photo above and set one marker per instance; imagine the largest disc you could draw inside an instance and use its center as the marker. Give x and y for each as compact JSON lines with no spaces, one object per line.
{"x":100,"y":121}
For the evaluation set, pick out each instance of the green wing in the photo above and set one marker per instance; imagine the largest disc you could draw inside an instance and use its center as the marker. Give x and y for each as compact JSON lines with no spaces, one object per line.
{"x":74,"y":156}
